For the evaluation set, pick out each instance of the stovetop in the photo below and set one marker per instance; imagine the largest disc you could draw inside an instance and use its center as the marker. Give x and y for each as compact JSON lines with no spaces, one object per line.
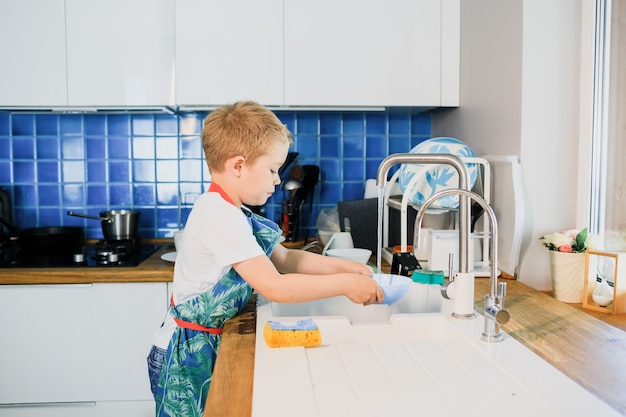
{"x":101,"y":254}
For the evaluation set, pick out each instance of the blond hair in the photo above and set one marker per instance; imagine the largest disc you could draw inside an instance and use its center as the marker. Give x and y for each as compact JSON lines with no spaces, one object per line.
{"x":243,"y":128}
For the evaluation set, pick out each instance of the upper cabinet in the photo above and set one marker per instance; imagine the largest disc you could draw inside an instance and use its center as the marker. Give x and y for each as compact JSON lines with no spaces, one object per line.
{"x":228,"y":51}
{"x":32,"y":43}
{"x":120,"y":52}
{"x":370,"y":52}
{"x":142,"y":53}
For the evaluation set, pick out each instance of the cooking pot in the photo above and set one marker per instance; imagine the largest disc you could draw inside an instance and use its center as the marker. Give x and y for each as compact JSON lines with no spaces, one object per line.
{"x":44,"y":240}
{"x":116,"y":224}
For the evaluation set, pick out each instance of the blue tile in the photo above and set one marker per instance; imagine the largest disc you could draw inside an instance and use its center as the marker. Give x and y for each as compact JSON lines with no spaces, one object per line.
{"x":375,"y":147}
{"x":167,"y":218}
{"x":73,"y":195}
{"x":22,"y":124}
{"x":5,"y":124}
{"x":353,"y":170}
{"x":167,"y":147}
{"x":95,"y":124}
{"x":143,"y":195}
{"x":47,"y":124}
{"x":5,"y":148}
{"x":399,"y":145}
{"x":330,"y":169}
{"x":375,"y":123}
{"x":23,"y":148}
{"x":167,"y":171}
{"x":330,"y":147}
{"x":421,"y":124}
{"x":191,"y":147}
{"x":167,"y":124}
{"x":24,"y":172}
{"x":120,"y":196}
{"x":48,"y":171}
{"x":49,"y":195}
{"x":306,"y":123}
{"x":95,"y":147}
{"x":26,"y":216}
{"x":143,"y":148}
{"x":167,"y":194}
{"x":353,"y":124}
{"x":330,"y":193}
{"x":191,"y":170}
{"x":96,"y":171}
{"x":47,"y":147}
{"x":143,"y":125}
{"x":118,"y":125}
{"x":97,"y":195}
{"x":119,"y":148}
{"x":71,"y":124}
{"x":330,"y":124}
{"x":5,"y":172}
{"x":353,"y":191}
{"x":307,"y":147}
{"x":73,"y":171}
{"x":119,"y":171}
{"x":353,"y":147}
{"x":143,"y":171}
{"x":399,"y":124}
{"x":73,"y":147}
{"x":49,"y":217}
{"x":371,"y":167}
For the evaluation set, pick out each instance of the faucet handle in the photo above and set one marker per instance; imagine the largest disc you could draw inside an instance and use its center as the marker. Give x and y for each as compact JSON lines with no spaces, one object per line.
{"x":501,"y":293}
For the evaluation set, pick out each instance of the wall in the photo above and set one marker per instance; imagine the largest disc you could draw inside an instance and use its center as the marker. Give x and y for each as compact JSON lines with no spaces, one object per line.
{"x":87,"y":163}
{"x":520,"y":94}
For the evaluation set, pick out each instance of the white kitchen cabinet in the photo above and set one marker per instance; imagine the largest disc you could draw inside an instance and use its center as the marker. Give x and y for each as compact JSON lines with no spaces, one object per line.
{"x":228,"y":51}
{"x":78,"y":348}
{"x":371,"y":52}
{"x":32,"y":45}
{"x":120,"y":53}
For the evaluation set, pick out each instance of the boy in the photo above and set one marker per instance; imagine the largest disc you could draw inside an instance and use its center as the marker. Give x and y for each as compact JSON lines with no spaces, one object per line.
{"x":227,"y":251}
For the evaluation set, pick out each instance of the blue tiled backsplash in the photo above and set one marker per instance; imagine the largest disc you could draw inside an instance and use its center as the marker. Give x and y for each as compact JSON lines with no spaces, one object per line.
{"x":154,"y":163}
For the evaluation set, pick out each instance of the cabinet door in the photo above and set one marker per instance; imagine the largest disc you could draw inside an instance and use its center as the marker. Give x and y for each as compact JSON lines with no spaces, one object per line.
{"x":32,"y":45}
{"x":228,"y":51}
{"x":78,"y":343}
{"x":120,"y":52}
{"x":363,"y":52}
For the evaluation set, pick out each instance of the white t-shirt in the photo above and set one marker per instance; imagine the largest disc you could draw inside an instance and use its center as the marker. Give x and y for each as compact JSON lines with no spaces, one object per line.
{"x":217,"y":235}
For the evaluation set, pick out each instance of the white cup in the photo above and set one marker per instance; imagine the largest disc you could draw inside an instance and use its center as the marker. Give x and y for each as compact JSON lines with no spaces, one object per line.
{"x":178,"y":240}
{"x":339,"y":240}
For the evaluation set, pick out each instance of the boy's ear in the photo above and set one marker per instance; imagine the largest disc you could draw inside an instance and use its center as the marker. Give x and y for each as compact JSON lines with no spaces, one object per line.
{"x":235,"y":164}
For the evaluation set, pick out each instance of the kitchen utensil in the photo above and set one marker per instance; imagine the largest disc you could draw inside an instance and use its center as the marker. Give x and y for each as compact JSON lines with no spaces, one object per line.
{"x":352,"y":254}
{"x":339,"y":240}
{"x":394,"y":286}
{"x":5,"y":204}
{"x":309,"y":181}
{"x":51,"y":239}
{"x":116,"y":224}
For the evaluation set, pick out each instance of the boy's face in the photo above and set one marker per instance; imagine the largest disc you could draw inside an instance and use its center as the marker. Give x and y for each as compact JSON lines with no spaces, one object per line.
{"x":261,"y":178}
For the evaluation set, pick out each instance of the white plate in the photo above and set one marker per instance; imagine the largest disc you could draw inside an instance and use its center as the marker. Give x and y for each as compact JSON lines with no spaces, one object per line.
{"x":169,"y":257}
{"x":430,"y":179}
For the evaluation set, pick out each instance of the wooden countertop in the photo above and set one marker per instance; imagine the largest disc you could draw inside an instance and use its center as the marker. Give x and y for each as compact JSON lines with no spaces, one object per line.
{"x":587,"y":349}
{"x":153,"y":269}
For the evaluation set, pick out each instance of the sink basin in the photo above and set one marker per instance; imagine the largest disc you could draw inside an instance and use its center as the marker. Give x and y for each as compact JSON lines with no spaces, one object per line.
{"x":405,"y":359}
{"x":421,"y":298}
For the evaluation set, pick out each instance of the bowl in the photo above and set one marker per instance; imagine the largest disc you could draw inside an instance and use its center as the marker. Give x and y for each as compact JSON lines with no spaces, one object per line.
{"x":394,"y":286}
{"x":352,"y":254}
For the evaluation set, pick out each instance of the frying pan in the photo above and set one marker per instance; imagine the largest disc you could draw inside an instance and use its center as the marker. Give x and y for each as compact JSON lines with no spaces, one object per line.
{"x":50,"y":239}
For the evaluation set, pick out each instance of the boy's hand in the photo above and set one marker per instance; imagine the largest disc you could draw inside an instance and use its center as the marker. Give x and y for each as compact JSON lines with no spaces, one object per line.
{"x":365,"y":291}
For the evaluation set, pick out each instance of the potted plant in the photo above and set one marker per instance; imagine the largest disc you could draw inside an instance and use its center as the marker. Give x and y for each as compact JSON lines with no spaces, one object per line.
{"x":567,"y":263}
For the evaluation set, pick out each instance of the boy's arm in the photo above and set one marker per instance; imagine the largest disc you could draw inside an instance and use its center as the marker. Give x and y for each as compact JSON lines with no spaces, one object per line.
{"x":303,"y":262}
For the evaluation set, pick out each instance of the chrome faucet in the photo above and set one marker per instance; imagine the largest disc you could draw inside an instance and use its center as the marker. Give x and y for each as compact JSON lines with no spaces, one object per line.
{"x":426,"y":158}
{"x":495,"y":313}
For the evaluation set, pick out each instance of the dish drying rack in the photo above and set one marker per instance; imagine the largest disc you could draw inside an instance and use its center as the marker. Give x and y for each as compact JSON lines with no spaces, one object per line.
{"x":387,"y":252}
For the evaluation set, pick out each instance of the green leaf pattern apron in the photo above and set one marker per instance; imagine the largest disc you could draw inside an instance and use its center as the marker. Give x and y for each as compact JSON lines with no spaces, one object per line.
{"x":191,"y":354}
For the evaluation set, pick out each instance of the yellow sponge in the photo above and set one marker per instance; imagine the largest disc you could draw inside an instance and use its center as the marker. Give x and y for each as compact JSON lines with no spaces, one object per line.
{"x":286,"y":334}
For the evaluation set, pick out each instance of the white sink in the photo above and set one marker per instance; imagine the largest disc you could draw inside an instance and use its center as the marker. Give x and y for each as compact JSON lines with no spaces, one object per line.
{"x":407,"y":363}
{"x":421,"y":298}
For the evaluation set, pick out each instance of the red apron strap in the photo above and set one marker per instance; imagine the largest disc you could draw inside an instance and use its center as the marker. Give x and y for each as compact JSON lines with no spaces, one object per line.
{"x":195,"y":326}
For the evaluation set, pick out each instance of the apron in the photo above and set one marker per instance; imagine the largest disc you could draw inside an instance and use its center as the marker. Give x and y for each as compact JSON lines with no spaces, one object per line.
{"x":192,"y":351}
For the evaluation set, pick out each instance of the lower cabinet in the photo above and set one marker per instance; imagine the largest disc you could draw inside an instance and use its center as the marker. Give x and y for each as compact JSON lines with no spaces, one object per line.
{"x":78,"y":349}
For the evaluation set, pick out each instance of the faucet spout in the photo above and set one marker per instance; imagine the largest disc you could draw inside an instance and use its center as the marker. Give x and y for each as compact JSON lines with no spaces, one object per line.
{"x":495,"y":314}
